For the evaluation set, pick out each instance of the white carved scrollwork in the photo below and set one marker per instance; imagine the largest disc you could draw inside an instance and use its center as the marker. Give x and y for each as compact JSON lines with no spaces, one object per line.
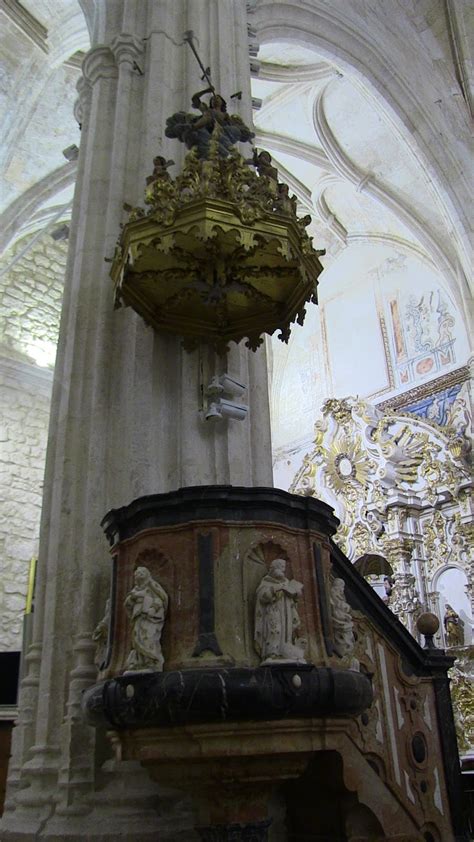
{"x":400,"y":485}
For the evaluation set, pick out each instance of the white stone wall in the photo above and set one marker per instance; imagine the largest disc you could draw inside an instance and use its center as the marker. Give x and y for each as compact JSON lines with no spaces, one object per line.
{"x":25,"y":395}
{"x":30,"y":304}
{"x":30,"y":297}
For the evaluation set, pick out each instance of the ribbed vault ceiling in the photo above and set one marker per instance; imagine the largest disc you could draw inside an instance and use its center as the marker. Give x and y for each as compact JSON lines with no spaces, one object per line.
{"x":373,"y":201}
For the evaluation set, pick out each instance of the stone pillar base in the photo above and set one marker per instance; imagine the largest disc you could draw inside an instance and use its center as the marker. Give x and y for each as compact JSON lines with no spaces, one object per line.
{"x":127,"y":807}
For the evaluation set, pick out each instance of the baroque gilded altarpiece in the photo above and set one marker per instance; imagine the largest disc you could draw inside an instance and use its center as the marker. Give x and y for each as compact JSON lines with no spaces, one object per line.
{"x":402,"y":489}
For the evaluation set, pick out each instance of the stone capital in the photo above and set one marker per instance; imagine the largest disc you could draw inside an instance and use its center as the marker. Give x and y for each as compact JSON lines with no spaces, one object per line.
{"x":126,"y":48}
{"x":81,"y":105}
{"x":99,"y":63}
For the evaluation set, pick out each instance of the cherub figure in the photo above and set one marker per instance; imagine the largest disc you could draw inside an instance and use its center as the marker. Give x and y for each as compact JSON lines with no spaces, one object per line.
{"x":160,"y":170}
{"x":263,"y":163}
{"x":284,"y":203}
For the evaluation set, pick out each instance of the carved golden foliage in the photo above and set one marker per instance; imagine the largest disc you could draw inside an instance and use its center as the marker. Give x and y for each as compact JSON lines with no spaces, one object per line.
{"x":219,"y":253}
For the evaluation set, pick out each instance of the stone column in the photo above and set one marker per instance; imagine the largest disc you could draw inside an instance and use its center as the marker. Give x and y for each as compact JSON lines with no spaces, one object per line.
{"x":124,"y":419}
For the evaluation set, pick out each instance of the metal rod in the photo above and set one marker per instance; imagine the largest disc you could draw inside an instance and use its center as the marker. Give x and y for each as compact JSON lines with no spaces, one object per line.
{"x":188,"y":38}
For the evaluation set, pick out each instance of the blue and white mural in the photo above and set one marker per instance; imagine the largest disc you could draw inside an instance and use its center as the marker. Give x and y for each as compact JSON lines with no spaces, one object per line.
{"x":437,"y":407}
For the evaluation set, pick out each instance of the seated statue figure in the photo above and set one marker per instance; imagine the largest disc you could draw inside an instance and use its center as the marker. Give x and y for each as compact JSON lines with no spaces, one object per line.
{"x":146,"y":604}
{"x":276,"y":617}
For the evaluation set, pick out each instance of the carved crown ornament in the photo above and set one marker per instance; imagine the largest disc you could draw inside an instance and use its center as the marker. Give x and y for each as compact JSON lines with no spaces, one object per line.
{"x":218,"y":254}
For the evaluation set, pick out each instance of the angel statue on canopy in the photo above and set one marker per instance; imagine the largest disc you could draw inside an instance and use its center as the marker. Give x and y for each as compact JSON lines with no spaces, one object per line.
{"x":196,"y":131}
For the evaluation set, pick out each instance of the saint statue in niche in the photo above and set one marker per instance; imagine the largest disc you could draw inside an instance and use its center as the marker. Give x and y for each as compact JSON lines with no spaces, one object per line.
{"x":147,"y":604}
{"x":276,"y":617}
{"x":453,"y":626}
{"x":342,"y":622}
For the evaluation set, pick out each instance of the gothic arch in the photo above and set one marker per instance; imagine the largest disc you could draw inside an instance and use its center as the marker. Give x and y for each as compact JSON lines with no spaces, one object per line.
{"x":342,"y":36}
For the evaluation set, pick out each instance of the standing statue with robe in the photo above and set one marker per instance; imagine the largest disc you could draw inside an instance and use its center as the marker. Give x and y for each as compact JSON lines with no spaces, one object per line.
{"x":453,"y":626}
{"x":342,"y":622}
{"x":276,"y":617}
{"x":146,"y":604}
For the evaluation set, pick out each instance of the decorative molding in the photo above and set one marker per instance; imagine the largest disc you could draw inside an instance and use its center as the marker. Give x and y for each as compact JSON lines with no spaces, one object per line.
{"x":328,"y":179}
{"x":386,"y":347}
{"x":396,"y":482}
{"x":44,"y":218}
{"x":280,"y":143}
{"x":296,"y":73}
{"x":393,"y":240}
{"x":82,"y":103}
{"x":283,"y":95}
{"x":330,"y":219}
{"x":75,"y":60}
{"x":458,"y":27}
{"x":63,"y":211}
{"x":460,"y":375}
{"x":99,"y":63}
{"x":68,"y":36}
{"x":20,"y":211}
{"x":20,"y":374}
{"x":126,"y":49}
{"x":8,"y":713}
{"x":342,"y":164}
{"x":26,"y":23}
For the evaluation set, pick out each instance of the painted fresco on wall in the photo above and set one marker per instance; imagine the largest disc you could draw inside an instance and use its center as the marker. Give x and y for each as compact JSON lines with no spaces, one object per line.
{"x":449,"y":407}
{"x":422,"y":335}
{"x":439,"y":407}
